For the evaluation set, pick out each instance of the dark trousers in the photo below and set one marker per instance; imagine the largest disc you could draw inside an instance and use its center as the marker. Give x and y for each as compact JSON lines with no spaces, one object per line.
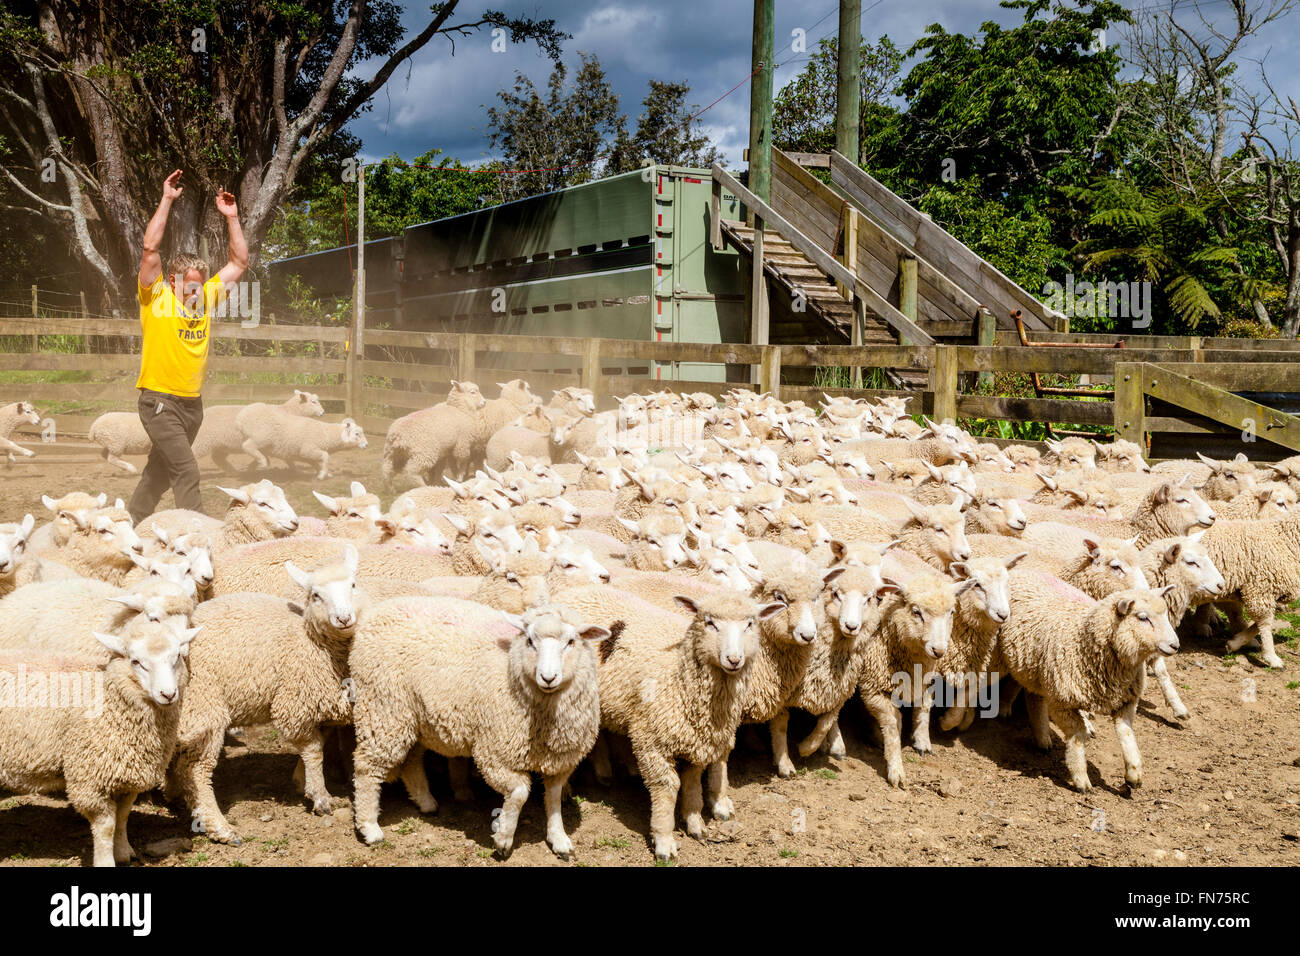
{"x":171,"y":422}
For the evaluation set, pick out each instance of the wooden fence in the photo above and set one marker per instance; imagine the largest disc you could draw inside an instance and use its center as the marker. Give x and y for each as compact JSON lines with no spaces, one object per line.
{"x":1162,"y":385}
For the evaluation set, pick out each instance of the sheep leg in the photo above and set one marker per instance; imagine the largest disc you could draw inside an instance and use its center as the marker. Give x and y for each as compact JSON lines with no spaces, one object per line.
{"x":258,"y":458}
{"x":779,"y":728}
{"x":458,"y":772}
{"x":122,"y":851}
{"x":1076,"y":753}
{"x":882,"y":708}
{"x":719,"y":800}
{"x":661,"y":780}
{"x":513,"y":785}
{"x":126,"y":466}
{"x":1010,"y":691}
{"x":1128,"y":744}
{"x":323,"y":459}
{"x":600,"y":762}
{"x":417,"y":781}
{"x":103,"y":821}
{"x":204,"y":806}
{"x":825,"y":723}
{"x":1038,"y":714}
{"x":1264,"y":623}
{"x":313,"y":763}
{"x":368,"y":775}
{"x":556,"y":838}
{"x":1168,"y":689}
{"x":955,"y":714}
{"x":1203,"y":622}
{"x":693,"y":800}
{"x":835,"y":740}
{"x":921,"y":721}
{"x":220,"y":460}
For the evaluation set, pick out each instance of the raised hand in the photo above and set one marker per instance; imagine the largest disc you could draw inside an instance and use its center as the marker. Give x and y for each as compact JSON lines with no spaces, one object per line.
{"x":171,"y":188}
{"x":226,"y":204}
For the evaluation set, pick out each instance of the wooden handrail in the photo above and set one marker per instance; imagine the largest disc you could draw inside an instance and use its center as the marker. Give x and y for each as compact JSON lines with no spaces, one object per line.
{"x":824,"y":260}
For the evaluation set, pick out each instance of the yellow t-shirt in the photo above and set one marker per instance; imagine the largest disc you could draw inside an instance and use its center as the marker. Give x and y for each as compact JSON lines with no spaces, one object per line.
{"x":174,"y":356}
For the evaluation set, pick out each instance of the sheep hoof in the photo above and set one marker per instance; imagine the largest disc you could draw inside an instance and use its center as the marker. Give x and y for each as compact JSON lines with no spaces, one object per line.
{"x":1272,"y":660}
{"x":837,"y":750}
{"x":321,"y":806}
{"x":695,"y":827}
{"x":1134,"y":780}
{"x":371,"y":833}
{"x":1082,"y":786}
{"x":427,"y":805}
{"x":561,"y":846}
{"x":807,"y":748}
{"x":503,"y":848}
{"x":921,"y":746}
{"x":723,"y":809}
{"x":1182,"y":713}
{"x":665,"y":848}
{"x":785,"y":768}
{"x":897,"y":779}
{"x":125,"y":856}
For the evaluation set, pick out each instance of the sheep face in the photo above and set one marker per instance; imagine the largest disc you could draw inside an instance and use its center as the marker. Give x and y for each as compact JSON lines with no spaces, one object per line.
{"x":548,"y":651}
{"x":1188,"y":562}
{"x":851,"y":600}
{"x":157,"y":599}
{"x":1142,"y":628}
{"x":307,"y":404}
{"x":266,"y":500}
{"x":466,"y":395}
{"x":1119,"y":559}
{"x":664,"y":539}
{"x":1024,"y":459}
{"x":944,"y":530}
{"x":804,"y":608}
{"x":497,"y":530}
{"x":331,"y":591}
{"x":168,"y":566}
{"x":518,"y":581}
{"x":198,"y":554}
{"x":577,"y":565}
{"x":723,"y":571}
{"x":13,"y":540}
{"x":1074,"y":453}
{"x":1121,"y":456}
{"x":415,"y":527}
{"x":72,"y":511}
{"x":1004,"y":514}
{"x":849,"y":464}
{"x":988,"y":582}
{"x":923,"y":612}
{"x":1276,"y":501}
{"x":1180,"y":509}
{"x":156,"y":652}
{"x":351,"y":434}
{"x":724,"y":633}
{"x":989,"y":458}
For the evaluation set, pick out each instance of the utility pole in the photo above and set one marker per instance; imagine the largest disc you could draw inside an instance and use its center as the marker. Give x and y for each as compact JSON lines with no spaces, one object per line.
{"x":848,"y":88}
{"x":760,"y":100}
{"x":354,"y":402}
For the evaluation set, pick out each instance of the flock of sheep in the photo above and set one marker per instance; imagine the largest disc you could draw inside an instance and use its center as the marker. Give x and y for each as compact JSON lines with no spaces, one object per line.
{"x":625,"y":587}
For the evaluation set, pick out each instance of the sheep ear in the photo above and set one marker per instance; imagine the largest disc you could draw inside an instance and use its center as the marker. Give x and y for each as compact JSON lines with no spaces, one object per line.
{"x":457,"y":487}
{"x":888,"y":587}
{"x":1092,"y":546}
{"x":139,"y":560}
{"x":49,"y":503}
{"x":1195,"y":536}
{"x":935,"y":473}
{"x":161,"y":534}
{"x":837,"y":550}
{"x":386,"y":524}
{"x":1077,"y":495}
{"x":1241,"y":458}
{"x":357,"y":489}
{"x":131,"y":600}
{"x":1123,"y":606}
{"x":1264,"y":494}
{"x":889,"y":544}
{"x":959,"y":570}
{"x":102,"y":499}
{"x":964,"y":587}
{"x":767,"y":610}
{"x":1214,"y":465}
{"x":299,"y":576}
{"x":1161,"y":494}
{"x":1172,"y":552}
{"x":351,"y":559}
{"x":1164,"y":590}
{"x":296,"y":608}
{"x":331,"y":504}
{"x":75,"y":517}
{"x":25,"y":529}
{"x":461,"y":524}
{"x":918,"y":510}
{"x":1016,"y":559}
{"x":630,"y":525}
{"x":236,"y":494}
{"x":119,"y":503}
{"x":113,"y":642}
{"x":515,"y":621}
{"x":832,"y":574}
{"x":1048,"y":481}
{"x":594,"y":633}
{"x":686,"y":603}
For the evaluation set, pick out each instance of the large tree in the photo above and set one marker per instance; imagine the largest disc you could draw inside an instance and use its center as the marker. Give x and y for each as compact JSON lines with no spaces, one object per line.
{"x":102,"y":100}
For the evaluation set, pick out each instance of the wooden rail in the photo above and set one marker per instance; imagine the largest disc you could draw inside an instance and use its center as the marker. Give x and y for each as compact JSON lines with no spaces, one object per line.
{"x":404,"y":371}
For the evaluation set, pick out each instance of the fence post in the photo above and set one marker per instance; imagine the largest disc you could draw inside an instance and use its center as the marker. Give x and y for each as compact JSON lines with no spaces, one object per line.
{"x":85,"y":312}
{"x":943,"y":382}
{"x":591,"y":365}
{"x":907,"y":285}
{"x":465,"y":357}
{"x":1130,"y":404}
{"x":769,"y":378}
{"x":758,"y":316}
{"x":36,"y":339}
{"x":987,"y":335}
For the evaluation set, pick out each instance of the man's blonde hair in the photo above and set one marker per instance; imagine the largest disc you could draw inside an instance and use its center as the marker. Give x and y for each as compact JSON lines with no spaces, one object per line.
{"x":184,"y":262}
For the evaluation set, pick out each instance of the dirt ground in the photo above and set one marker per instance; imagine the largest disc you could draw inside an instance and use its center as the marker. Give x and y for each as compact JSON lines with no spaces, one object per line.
{"x":1221,"y":787}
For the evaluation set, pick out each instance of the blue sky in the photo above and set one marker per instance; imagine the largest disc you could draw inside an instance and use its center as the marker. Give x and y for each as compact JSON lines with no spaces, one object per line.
{"x":440,"y":99}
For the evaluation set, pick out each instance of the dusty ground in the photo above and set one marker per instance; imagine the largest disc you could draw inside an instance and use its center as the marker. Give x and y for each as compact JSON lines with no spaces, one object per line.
{"x":1222,"y":787}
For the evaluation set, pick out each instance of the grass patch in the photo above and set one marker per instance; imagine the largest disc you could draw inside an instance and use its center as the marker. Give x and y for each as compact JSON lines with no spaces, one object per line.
{"x":826,"y":773}
{"x":614,"y":843}
{"x":407,"y":826}
{"x":787,"y":854}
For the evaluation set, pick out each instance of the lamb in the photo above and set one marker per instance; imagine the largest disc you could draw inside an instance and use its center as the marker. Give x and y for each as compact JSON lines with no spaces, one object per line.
{"x":680,"y":696}
{"x":269,"y":431}
{"x":1084,"y":656}
{"x":11,"y":416}
{"x":266,"y":660}
{"x":518,"y":694}
{"x":995,"y":511}
{"x":16,"y":567}
{"x":515,"y":399}
{"x":122,"y":433}
{"x":257,"y":512}
{"x":1072,"y":453}
{"x":657,"y":543}
{"x":915,"y":626}
{"x":1260,"y":563}
{"x":219,"y":435}
{"x":99,"y":546}
{"x":528,"y":434}
{"x":440,"y":439}
{"x":1121,"y":455}
{"x":936,"y":534}
{"x":1227,"y":479}
{"x":105,"y":753}
{"x":1265,"y":503}
{"x":1169,"y":510}
{"x":70,"y":512}
{"x":355,"y":515}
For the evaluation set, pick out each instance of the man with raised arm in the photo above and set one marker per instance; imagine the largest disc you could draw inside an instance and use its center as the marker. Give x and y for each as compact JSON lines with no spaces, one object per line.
{"x":175,"y":314}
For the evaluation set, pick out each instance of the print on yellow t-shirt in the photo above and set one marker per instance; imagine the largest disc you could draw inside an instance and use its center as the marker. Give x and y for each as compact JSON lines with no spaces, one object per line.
{"x":174,"y":356}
